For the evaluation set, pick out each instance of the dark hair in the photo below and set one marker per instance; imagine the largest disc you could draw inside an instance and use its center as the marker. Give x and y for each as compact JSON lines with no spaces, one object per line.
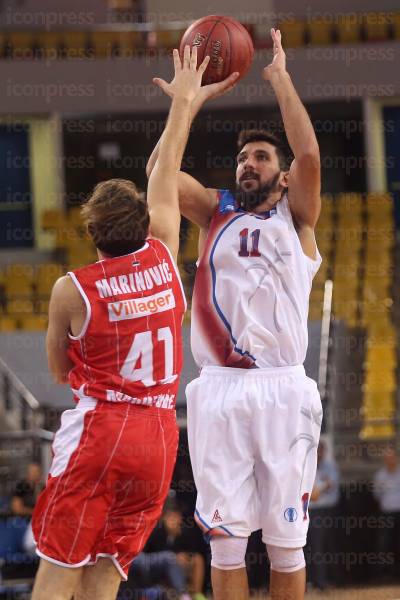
{"x":117,"y":217}
{"x":262,"y":135}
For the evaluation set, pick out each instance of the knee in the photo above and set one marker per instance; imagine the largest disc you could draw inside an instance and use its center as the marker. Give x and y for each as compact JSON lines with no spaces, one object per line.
{"x":228,"y":553}
{"x":286,"y":560}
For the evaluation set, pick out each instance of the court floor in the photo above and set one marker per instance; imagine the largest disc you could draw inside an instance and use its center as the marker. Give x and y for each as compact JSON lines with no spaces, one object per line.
{"x":378,"y":593}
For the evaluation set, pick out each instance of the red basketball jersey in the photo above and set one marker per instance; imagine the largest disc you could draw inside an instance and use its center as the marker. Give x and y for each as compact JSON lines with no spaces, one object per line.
{"x":130,"y":347}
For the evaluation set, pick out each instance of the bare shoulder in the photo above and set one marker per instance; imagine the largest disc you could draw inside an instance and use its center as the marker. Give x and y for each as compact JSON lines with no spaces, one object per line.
{"x":66,"y":295}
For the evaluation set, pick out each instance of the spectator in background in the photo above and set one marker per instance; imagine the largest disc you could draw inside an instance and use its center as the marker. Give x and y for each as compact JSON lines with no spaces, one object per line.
{"x":387,"y":494}
{"x":154,"y":568}
{"x":174,"y":534}
{"x":26,"y":491}
{"x":324,"y":498}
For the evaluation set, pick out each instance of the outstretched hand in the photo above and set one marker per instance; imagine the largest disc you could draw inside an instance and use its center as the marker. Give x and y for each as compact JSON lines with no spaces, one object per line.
{"x":187,"y":79}
{"x":205,"y":92}
{"x":278,"y":64}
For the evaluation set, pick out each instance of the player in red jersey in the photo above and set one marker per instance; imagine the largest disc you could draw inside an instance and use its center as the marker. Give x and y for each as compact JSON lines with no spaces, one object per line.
{"x":115,"y":335}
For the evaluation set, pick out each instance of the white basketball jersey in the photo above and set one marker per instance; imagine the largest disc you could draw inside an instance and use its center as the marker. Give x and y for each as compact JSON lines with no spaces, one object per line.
{"x":252,"y":288}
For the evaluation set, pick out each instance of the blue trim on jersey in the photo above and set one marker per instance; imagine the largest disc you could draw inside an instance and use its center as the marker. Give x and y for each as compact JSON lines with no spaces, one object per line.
{"x":214,"y":278}
{"x":227,"y":203}
{"x":210,"y":528}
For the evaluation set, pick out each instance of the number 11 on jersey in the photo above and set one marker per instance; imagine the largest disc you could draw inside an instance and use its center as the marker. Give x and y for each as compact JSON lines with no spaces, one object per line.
{"x":244,"y":237}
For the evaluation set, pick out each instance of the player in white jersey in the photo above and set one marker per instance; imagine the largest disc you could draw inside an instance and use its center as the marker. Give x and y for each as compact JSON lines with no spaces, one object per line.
{"x":254,"y":417}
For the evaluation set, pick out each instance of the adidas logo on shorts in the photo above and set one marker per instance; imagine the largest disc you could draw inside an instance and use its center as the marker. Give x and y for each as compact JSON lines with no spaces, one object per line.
{"x":216,"y":518}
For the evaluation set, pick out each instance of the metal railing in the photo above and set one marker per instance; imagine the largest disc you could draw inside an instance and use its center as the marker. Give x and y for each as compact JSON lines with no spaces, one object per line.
{"x":325,"y":337}
{"x":21,"y":410}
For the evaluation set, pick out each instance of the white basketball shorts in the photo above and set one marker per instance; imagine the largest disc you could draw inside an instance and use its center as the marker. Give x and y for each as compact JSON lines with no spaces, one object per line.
{"x":253,"y":437}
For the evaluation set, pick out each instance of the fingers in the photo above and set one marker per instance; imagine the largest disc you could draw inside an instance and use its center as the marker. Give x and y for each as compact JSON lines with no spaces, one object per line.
{"x":161,"y":84}
{"x":203,"y":65}
{"x":193,"y":58}
{"x":186,"y":57}
{"x":226,"y":84}
{"x":177,"y":60}
{"x":231,"y":79}
{"x":277,"y":39}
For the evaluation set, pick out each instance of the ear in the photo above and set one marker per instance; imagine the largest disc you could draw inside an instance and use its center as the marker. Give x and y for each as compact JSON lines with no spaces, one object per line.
{"x":284,"y":179}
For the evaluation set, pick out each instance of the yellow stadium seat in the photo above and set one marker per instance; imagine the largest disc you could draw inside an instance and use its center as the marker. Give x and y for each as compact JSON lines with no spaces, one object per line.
{"x":327,"y":204}
{"x":18,"y":280}
{"x":324,"y":234}
{"x":81,"y":254}
{"x":376,"y":309}
{"x":378,"y":431}
{"x":105,"y":44}
{"x":320,"y":32}
{"x":378,"y":405}
{"x":379,"y":236}
{"x":317,"y":294}
{"x":109,"y":44}
{"x":68,"y":236}
{"x":383,"y":355}
{"x":377,"y":288}
{"x":20,"y":306}
{"x":75,"y":44}
{"x":8,"y":324}
{"x":34,"y":323}
{"x":2,"y":45}
{"x":347,"y":254}
{"x":74,"y":217}
{"x":379,"y":202}
{"x":22,"y":43}
{"x":20,"y":271}
{"x":46,"y":276}
{"x":52,"y":219}
{"x":396,"y":25}
{"x":349,"y":29}
{"x":345,"y":271}
{"x":351,"y":203}
{"x":374,"y":258}
{"x":346,"y":310}
{"x":42,"y":306}
{"x":376,"y":26}
{"x":380,"y":375}
{"x":130,"y":40}
{"x":293,"y":33}
{"x":169,"y":38}
{"x":49,"y":44}
{"x":322,"y":275}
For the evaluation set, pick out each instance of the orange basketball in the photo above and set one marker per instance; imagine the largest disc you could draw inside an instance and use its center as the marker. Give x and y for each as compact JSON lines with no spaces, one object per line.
{"x":225,"y":40}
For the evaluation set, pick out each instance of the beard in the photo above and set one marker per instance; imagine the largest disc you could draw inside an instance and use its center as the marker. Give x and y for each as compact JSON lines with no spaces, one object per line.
{"x":250,"y":200}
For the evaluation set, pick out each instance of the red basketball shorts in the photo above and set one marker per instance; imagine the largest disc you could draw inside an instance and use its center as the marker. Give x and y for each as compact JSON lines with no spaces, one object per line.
{"x":110,"y":474}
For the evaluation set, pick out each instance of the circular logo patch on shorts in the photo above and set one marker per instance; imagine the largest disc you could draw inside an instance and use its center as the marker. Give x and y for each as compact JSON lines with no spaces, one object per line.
{"x":290,"y":514}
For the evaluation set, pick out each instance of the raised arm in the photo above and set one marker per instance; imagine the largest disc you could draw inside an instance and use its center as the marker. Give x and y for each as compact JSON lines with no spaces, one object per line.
{"x":162,"y":191}
{"x":197,"y":203}
{"x":304,"y":182}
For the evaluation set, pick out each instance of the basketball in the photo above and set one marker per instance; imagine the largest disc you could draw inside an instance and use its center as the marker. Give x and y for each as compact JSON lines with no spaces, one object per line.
{"x":225,"y":40}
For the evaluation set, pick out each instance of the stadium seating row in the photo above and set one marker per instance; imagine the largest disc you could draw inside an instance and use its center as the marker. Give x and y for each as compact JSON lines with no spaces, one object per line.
{"x":349,"y":232}
{"x":103,"y":43}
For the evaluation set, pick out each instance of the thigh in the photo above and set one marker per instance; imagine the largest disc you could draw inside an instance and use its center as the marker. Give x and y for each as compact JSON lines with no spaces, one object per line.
{"x":54,"y":581}
{"x":71,"y":510}
{"x":286,"y":429}
{"x":100,"y":581}
{"x":139,"y":479}
{"x":221,"y":453}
